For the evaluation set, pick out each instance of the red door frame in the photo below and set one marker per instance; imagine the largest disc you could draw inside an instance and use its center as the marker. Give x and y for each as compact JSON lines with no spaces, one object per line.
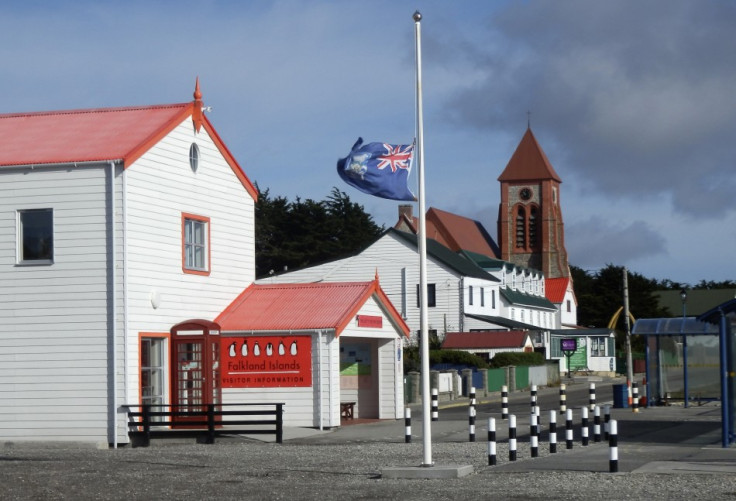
{"x":195,"y":367}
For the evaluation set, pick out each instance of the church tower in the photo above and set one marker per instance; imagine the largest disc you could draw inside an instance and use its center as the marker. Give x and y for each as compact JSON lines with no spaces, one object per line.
{"x":530,"y":227}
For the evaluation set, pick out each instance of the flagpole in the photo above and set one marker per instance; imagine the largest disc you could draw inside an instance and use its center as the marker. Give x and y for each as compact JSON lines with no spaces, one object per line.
{"x":422,"y":241}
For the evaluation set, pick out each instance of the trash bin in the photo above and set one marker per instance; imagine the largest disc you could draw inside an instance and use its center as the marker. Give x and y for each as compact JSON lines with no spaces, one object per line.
{"x":620,"y":396}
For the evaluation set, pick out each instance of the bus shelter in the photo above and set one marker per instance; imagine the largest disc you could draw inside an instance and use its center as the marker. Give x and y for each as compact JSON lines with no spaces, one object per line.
{"x":692,"y":358}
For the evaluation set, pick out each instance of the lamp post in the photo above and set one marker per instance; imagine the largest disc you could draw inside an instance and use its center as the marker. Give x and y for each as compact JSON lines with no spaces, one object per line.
{"x":683,"y":296}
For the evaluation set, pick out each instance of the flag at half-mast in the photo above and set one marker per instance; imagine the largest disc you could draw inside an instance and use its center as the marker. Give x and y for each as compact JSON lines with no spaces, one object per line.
{"x":379,"y":169}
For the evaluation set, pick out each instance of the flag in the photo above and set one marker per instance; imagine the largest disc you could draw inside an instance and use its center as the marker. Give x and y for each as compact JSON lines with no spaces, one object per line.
{"x":379,"y":169}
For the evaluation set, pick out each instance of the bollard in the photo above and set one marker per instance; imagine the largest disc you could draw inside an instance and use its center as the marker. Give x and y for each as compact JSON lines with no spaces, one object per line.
{"x":512,"y":437}
{"x":471,"y":423}
{"x":504,"y":402}
{"x":635,"y":397}
{"x":563,"y":399}
{"x":535,"y":411}
{"x":435,"y":405}
{"x":613,"y":448}
{"x":552,"y":432}
{"x":533,"y":436}
{"x":584,"y":425}
{"x":568,"y":428}
{"x":591,"y":396}
{"x":472,"y":395}
{"x":491,"y":441}
{"x":407,"y":425}
{"x":533,"y":393}
{"x":606,"y":420}
{"x":597,"y":424}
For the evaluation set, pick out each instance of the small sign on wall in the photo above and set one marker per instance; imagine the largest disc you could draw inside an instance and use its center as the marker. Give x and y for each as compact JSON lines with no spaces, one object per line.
{"x":370,"y":321}
{"x":266,"y":361}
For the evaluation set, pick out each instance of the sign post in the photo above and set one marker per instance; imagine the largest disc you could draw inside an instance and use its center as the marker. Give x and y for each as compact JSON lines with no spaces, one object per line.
{"x":568,"y":347}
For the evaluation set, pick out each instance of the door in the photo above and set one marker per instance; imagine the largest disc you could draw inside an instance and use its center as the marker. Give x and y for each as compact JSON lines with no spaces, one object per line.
{"x":195,"y":355}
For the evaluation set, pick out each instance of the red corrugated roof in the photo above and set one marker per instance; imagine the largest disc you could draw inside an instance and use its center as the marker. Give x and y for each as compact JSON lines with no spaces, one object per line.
{"x":528,"y":162}
{"x":82,"y":135}
{"x":481,"y":340}
{"x":101,"y":134}
{"x":324,"y":305}
{"x":555,"y":288}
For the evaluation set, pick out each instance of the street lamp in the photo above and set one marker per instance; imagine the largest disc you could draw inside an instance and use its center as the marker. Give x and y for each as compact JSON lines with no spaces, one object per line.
{"x":683,"y":296}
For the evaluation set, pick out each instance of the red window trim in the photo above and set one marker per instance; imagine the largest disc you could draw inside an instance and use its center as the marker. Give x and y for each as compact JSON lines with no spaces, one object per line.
{"x":184,"y":217}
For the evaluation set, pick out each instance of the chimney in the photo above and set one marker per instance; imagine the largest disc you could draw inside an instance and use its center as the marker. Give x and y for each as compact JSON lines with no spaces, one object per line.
{"x":406,"y":210}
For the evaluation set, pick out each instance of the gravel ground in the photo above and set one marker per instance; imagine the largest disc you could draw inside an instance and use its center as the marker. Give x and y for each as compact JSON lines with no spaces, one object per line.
{"x":241,"y":469}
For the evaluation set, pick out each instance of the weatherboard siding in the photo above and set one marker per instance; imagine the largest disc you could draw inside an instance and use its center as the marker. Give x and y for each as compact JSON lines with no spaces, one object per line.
{"x":160,"y":186}
{"x":54,"y":353}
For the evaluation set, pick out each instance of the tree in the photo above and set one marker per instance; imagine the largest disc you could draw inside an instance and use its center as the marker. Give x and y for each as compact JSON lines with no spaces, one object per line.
{"x":293,"y":235}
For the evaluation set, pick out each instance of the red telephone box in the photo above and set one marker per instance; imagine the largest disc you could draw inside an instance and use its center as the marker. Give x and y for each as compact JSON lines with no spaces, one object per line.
{"x":195,"y":367}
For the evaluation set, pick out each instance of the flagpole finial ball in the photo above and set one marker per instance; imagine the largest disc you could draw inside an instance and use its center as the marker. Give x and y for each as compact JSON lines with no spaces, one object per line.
{"x":417,"y":16}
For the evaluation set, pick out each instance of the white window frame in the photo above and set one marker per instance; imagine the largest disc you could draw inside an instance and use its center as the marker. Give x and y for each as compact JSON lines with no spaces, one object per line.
{"x":195,"y":244}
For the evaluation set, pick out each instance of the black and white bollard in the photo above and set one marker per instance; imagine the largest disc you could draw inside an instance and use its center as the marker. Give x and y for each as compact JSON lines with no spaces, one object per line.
{"x":435,"y":405}
{"x":471,"y":423}
{"x":568,"y":429}
{"x":635,"y":397}
{"x":591,"y":396}
{"x":584,"y":425}
{"x":613,"y":448}
{"x":491,"y":441}
{"x":512,"y":437}
{"x":504,"y":402}
{"x":597,"y":424}
{"x":606,"y":421}
{"x":407,"y":425}
{"x":552,"y":432}
{"x":533,"y":435}
{"x":563,"y":399}
{"x":535,"y":411}
{"x":472,"y":396}
{"x":533,"y":396}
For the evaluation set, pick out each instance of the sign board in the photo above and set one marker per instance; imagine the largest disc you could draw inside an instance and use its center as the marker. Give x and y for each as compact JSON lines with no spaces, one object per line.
{"x":569,"y":344}
{"x":374,"y":321}
{"x":266,"y":361}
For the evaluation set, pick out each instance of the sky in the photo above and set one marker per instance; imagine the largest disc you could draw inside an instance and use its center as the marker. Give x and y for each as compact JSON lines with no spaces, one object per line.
{"x":632,"y":101}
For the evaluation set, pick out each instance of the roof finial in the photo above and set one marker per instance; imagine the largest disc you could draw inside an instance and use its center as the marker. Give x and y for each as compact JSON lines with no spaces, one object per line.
{"x":376,"y":274}
{"x":197,"y":107}
{"x":528,"y":119}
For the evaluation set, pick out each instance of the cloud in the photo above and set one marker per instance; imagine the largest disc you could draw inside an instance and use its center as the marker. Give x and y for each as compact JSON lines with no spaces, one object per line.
{"x":595,"y":242}
{"x":636,"y":98}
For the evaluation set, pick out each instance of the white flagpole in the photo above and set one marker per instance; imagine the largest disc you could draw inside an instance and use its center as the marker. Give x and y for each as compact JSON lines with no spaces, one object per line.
{"x":422,"y":244}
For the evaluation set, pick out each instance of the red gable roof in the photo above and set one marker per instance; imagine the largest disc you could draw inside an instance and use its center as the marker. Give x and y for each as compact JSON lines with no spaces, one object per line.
{"x":323,"y":305}
{"x":485,"y":340}
{"x":457,"y":232}
{"x":100,"y":135}
{"x":555,"y":289}
{"x":528,"y":162}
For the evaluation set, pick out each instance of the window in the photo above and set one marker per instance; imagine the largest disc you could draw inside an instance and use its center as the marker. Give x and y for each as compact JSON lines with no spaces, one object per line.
{"x":152,"y":371}
{"x":470,"y":295}
{"x":533,"y":227}
{"x":493,"y":299}
{"x":520,"y":228}
{"x":194,"y":157}
{"x":569,"y":307}
{"x":598,"y":346}
{"x":36,"y":236}
{"x":482,"y":297}
{"x":431,"y":296}
{"x":195,"y":247}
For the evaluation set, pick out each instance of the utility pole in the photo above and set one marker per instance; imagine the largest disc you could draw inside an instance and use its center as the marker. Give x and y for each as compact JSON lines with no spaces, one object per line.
{"x":629,"y":361}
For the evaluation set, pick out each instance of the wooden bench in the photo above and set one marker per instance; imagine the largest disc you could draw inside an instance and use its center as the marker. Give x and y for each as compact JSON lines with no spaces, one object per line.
{"x":346,"y":409}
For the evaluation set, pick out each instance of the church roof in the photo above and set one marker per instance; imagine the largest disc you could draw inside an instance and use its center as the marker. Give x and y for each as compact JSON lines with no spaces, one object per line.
{"x":460,"y":233}
{"x":555,"y":288}
{"x":529,"y":162}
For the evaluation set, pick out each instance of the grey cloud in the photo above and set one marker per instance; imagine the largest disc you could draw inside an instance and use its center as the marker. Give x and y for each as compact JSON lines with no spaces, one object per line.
{"x":595,"y":242}
{"x":636,"y":96}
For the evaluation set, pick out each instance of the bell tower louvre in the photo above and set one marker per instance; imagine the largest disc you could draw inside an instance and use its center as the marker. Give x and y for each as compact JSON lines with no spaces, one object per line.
{"x":530,"y":227}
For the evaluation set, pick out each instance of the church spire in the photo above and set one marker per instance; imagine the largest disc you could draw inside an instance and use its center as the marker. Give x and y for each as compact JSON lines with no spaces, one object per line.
{"x":529,"y":162}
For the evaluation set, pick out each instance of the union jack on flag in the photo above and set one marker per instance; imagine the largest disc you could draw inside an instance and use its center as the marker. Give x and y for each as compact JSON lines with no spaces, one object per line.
{"x":379,"y":169}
